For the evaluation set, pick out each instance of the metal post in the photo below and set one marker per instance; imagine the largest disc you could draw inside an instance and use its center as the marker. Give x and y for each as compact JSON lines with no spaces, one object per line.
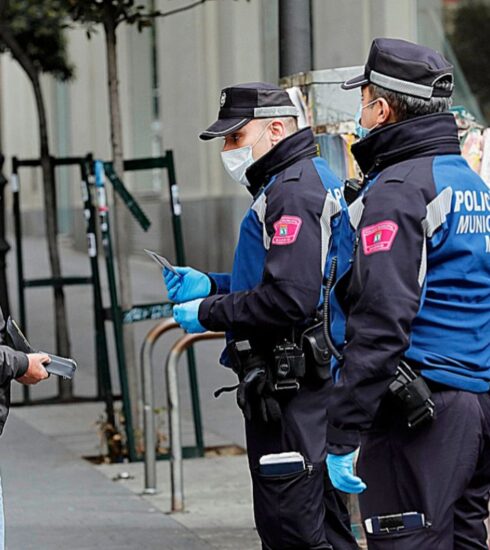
{"x":295,"y":37}
{"x":104,"y":383}
{"x":175,"y":433}
{"x":65,"y":387}
{"x":176,"y":458}
{"x":115,"y":308}
{"x":156,"y":124}
{"x":146,"y":354}
{"x":176,"y":209}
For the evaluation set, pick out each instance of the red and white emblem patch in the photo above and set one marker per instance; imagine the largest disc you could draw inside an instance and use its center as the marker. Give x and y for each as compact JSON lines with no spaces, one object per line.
{"x":286,"y":230}
{"x":378,"y":237}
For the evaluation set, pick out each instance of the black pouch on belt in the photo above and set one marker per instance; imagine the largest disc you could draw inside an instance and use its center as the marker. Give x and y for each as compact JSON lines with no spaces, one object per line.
{"x":289,"y":367}
{"x":317,"y":353}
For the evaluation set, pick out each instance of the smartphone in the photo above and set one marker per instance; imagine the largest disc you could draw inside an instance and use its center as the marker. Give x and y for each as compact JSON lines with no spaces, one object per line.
{"x":61,"y":366}
{"x":162,"y":261}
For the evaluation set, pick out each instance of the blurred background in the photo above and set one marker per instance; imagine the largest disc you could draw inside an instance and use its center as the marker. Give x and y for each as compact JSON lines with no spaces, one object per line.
{"x":170,"y":77}
{"x":125,"y":79}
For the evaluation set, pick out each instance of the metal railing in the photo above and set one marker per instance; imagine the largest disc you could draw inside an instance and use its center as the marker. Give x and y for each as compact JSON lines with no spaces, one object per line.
{"x":146,"y":355}
{"x":176,"y":456}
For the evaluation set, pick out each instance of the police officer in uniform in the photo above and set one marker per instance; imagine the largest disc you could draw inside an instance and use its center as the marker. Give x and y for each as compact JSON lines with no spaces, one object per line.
{"x":266,"y":304}
{"x":411,"y":387}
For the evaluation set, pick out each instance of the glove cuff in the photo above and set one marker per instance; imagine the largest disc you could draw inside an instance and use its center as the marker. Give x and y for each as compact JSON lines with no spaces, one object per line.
{"x":214,"y":287}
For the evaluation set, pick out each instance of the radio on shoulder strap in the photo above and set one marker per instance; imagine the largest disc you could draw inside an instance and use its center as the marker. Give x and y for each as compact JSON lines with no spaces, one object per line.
{"x":352,"y":189}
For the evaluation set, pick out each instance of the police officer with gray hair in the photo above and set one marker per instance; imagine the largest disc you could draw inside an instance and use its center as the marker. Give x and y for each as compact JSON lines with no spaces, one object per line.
{"x":411,"y":316}
{"x":268,"y":307}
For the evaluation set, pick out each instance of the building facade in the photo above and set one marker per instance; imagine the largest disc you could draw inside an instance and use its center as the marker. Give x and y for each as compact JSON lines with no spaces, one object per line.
{"x":170,"y":80}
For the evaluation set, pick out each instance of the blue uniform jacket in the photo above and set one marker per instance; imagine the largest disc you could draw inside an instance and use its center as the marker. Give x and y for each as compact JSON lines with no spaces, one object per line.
{"x":285,"y":238}
{"x":419,"y":286}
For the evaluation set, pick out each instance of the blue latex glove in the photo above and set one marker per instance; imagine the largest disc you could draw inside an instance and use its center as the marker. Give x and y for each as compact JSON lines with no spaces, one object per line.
{"x":187,"y":316}
{"x":341,"y":471}
{"x":190,"y":285}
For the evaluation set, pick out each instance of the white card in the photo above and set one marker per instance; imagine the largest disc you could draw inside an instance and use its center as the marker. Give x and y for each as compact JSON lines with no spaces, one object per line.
{"x":161,"y":261}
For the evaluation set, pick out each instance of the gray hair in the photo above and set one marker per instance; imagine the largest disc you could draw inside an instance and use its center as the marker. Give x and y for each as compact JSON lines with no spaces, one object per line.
{"x":405,"y":106}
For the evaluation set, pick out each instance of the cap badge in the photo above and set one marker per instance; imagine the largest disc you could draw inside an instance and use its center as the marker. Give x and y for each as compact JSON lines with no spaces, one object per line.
{"x":222,"y":99}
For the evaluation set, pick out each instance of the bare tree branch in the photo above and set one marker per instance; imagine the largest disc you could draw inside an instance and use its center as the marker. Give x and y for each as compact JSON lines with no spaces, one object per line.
{"x":177,"y":10}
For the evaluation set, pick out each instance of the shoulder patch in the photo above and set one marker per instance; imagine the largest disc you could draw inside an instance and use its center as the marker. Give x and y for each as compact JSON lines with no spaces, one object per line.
{"x":286,"y":230}
{"x":378,"y":237}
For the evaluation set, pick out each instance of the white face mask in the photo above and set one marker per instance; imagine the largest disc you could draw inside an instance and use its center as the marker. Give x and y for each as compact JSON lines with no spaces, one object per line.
{"x":236,"y":161}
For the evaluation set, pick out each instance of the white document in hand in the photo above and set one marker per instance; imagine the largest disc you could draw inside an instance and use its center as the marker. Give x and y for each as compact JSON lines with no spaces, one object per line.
{"x":161,"y":261}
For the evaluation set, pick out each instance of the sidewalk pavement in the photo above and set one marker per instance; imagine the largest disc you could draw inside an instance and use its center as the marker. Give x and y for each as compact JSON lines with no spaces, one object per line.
{"x":217,"y":491}
{"x":55,"y":499}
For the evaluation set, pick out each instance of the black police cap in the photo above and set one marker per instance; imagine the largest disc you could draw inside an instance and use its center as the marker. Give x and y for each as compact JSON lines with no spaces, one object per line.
{"x":241,"y":103}
{"x":407,"y":68}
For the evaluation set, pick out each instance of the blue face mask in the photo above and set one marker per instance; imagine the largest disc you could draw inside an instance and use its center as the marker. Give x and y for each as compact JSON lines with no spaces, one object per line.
{"x":361,"y":131}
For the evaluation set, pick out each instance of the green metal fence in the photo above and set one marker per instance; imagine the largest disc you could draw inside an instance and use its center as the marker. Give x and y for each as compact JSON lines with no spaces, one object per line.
{"x":141,"y":312}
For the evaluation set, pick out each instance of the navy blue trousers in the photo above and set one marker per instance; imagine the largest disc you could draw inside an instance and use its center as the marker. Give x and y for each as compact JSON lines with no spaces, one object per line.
{"x":298,"y":511}
{"x":441,"y":470}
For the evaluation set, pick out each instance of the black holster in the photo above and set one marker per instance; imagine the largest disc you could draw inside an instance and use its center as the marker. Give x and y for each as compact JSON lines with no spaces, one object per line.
{"x":243,"y":358}
{"x":411,"y":393}
{"x":255,"y":392}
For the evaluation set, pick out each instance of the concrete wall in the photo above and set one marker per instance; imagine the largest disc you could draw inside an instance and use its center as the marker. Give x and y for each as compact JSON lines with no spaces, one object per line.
{"x":343,"y":31}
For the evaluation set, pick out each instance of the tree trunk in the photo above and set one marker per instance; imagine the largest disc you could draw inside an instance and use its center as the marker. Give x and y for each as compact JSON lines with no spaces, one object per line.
{"x":50,"y":211}
{"x":122,"y":218}
{"x":50,"y":205}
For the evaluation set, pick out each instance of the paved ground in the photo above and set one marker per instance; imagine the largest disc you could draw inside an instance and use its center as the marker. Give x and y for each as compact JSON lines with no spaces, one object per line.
{"x":56,"y":500}
{"x":216,"y":497}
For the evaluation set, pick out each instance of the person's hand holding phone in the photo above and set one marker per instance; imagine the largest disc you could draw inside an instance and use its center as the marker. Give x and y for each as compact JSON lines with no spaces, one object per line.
{"x":36,"y":370}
